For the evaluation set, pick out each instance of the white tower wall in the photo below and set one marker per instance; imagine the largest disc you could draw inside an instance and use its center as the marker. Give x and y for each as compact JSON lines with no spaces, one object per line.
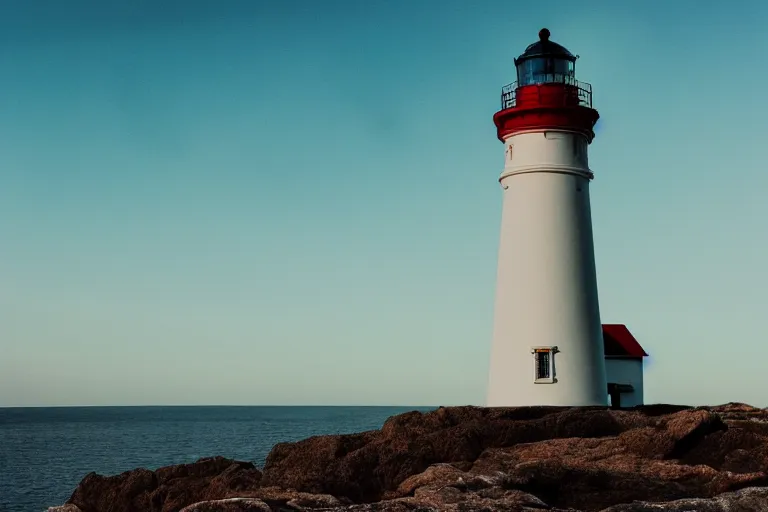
{"x":546,"y":292}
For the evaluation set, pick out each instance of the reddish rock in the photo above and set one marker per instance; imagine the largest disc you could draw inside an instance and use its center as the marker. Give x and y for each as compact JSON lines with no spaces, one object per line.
{"x":590,"y":474}
{"x":127,"y":492}
{"x":409,"y":443}
{"x":229,"y":505}
{"x":167,"y":489}
{"x":671,"y":436}
{"x":281,"y":499}
{"x":737,"y":410}
{"x":438,"y":475}
{"x":473,"y":459}
{"x":735,"y":449}
{"x":745,"y":500}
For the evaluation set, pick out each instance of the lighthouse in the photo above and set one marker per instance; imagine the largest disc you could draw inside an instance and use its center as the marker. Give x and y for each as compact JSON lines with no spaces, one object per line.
{"x":547,"y":344}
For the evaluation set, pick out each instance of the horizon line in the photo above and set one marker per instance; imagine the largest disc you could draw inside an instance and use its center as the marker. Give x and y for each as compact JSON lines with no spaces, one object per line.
{"x":213,"y":405}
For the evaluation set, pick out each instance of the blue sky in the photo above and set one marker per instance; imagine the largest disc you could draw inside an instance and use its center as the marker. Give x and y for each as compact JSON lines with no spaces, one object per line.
{"x":297,"y":202}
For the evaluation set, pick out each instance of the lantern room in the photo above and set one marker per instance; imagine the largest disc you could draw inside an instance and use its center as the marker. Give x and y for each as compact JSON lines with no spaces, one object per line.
{"x":546,"y":93}
{"x":545,"y":62}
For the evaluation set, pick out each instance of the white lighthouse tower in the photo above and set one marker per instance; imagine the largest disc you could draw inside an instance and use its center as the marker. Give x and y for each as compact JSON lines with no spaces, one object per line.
{"x":547,"y":338}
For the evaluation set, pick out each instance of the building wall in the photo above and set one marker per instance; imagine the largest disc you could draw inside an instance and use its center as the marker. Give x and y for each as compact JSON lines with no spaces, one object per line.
{"x":623,"y":370}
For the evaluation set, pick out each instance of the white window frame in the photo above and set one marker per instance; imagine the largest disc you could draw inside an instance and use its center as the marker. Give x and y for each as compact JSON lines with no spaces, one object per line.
{"x":551,"y":350}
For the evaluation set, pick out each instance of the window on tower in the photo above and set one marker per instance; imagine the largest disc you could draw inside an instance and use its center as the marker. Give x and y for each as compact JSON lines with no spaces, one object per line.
{"x":544,"y":364}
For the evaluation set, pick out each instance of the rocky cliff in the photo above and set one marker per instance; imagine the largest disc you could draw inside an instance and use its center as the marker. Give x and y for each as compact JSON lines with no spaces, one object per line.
{"x":657,"y":457}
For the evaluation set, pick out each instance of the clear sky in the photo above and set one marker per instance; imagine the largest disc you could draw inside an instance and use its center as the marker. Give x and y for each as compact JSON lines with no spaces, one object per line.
{"x":246,"y":202}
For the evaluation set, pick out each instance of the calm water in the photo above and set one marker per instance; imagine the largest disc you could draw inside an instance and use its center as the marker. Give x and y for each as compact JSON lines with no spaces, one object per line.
{"x":45,"y":452}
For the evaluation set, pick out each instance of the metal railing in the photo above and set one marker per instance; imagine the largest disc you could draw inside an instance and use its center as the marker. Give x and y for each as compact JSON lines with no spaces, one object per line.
{"x":583,"y":90}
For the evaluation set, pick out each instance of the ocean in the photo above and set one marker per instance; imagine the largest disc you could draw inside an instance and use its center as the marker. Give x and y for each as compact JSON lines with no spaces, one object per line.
{"x":45,"y":452}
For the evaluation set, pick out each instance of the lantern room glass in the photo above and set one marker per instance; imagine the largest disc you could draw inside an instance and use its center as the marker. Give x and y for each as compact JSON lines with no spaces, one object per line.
{"x":544,"y":70}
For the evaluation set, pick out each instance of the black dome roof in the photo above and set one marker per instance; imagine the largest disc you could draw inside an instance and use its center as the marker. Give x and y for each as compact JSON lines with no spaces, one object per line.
{"x":545,"y":47}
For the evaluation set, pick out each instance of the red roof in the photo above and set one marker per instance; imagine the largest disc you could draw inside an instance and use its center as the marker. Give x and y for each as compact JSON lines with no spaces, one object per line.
{"x":620,"y":342}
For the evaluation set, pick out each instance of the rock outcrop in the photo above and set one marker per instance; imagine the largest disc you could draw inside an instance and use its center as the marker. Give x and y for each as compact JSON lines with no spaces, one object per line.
{"x":167,"y":489}
{"x":752,"y":499}
{"x":472,"y":459}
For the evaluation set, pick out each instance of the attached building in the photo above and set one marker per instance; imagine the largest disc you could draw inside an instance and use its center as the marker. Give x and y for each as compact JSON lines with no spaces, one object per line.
{"x":623,"y":366}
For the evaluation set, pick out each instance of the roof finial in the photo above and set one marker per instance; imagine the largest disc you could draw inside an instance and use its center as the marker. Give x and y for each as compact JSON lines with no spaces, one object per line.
{"x":544,"y":34}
